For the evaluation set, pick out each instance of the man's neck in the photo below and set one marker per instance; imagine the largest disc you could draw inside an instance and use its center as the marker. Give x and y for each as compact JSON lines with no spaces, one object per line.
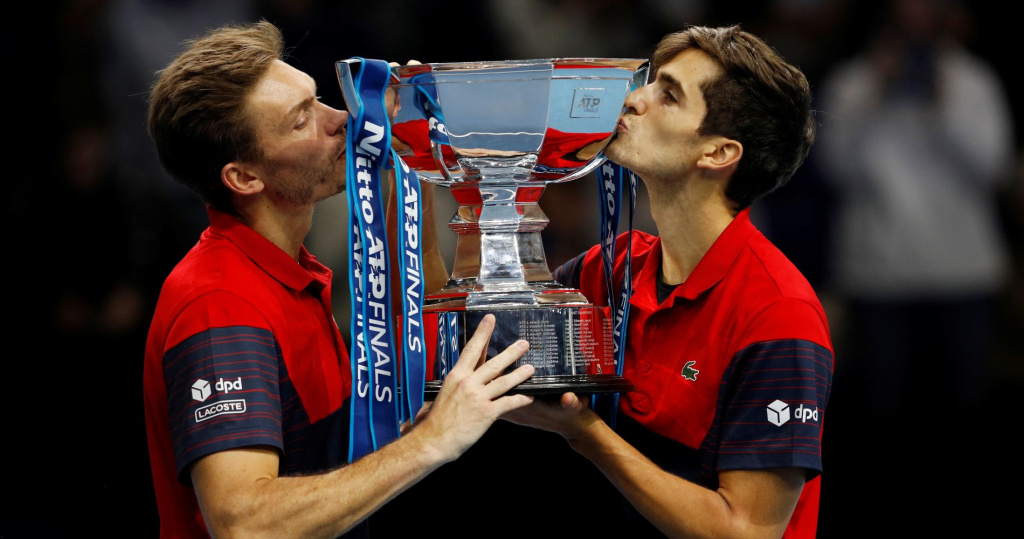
{"x":690,"y":215}
{"x":284,"y":227}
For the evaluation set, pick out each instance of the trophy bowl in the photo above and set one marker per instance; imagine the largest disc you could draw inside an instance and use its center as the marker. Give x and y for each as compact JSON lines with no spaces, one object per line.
{"x":496,"y":133}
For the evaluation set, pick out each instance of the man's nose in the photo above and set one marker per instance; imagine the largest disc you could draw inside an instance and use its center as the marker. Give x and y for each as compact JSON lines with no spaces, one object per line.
{"x":336,"y":121}
{"x":635,"y":101}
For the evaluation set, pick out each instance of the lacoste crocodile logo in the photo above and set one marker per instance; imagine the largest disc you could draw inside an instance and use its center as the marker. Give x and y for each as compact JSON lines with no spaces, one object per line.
{"x":689,"y":372}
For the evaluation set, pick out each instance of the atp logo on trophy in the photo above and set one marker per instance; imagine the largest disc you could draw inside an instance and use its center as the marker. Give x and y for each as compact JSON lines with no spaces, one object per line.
{"x":587,"y":103}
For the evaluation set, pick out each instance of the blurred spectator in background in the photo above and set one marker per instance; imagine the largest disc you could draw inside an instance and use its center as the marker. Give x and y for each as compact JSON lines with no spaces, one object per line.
{"x":917,"y":139}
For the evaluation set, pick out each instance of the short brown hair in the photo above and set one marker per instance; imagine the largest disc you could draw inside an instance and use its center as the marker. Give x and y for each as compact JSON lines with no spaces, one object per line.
{"x":197,"y":111}
{"x":759,"y":100}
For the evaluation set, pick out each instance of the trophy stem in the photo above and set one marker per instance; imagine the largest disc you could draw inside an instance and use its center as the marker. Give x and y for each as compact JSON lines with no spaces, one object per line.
{"x":499,"y":254}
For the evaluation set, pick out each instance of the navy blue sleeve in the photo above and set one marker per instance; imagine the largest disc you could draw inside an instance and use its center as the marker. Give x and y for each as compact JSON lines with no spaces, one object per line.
{"x":222,"y":393}
{"x":568,"y":274}
{"x":774,"y":406}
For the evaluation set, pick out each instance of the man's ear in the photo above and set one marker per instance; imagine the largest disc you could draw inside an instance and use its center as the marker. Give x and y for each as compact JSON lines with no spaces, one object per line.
{"x":241,"y":179}
{"x":720,"y":153}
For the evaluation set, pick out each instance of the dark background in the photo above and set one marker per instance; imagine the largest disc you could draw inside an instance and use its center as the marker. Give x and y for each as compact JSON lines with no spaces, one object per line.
{"x":97,"y":226}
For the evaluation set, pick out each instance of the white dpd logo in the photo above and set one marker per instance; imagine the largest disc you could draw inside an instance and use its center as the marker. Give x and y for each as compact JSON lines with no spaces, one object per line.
{"x":779,"y":414}
{"x":201,"y":389}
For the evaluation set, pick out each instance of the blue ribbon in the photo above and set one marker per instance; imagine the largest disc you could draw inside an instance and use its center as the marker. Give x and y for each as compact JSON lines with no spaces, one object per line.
{"x":426,"y":102}
{"x":453,"y":338}
{"x":621,"y":320}
{"x":441,"y":368}
{"x":374,"y":406}
{"x":610,"y":189}
{"x":414,"y":357}
{"x":360,"y":430}
{"x":447,"y":349}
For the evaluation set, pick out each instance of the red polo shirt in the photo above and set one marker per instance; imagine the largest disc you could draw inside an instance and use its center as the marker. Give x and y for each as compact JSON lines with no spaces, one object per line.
{"x":732,"y":371}
{"x":243,"y":351}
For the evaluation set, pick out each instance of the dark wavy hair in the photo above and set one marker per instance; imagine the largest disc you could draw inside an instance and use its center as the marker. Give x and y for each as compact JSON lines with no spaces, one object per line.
{"x":759,"y":100}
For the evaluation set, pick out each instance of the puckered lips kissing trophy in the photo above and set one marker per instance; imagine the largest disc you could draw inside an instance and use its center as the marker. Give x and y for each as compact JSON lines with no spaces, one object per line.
{"x":495,"y":133}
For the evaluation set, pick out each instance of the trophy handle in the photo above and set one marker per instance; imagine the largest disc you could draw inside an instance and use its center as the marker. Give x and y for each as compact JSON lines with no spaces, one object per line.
{"x":346,"y":70}
{"x":459,"y":174}
{"x":587,"y":169}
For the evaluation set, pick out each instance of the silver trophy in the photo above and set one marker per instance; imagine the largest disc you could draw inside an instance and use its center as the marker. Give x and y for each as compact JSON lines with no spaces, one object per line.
{"x":495,"y":134}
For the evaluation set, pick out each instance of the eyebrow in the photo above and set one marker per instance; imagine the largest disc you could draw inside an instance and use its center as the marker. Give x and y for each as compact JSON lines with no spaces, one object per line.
{"x":304,"y":104}
{"x":671,"y":81}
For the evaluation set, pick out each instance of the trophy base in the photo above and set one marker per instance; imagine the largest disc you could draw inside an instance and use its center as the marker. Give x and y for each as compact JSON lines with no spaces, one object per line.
{"x":555,"y":385}
{"x":570,"y":346}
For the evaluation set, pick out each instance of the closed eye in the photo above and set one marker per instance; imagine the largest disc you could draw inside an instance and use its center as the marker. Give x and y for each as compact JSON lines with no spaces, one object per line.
{"x":307,"y":112}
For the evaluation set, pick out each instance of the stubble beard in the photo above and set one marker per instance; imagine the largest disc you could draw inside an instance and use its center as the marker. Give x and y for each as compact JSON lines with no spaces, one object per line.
{"x":619,"y":153}
{"x":302,"y":190}
{"x":331,"y":170}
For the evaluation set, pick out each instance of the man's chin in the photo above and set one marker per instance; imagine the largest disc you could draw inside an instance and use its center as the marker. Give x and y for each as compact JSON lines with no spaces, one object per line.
{"x":615,"y":155}
{"x":328,"y":194}
{"x":333,"y":182}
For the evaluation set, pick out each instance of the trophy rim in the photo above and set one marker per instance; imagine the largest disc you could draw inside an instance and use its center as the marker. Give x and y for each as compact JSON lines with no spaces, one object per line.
{"x":402,"y":71}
